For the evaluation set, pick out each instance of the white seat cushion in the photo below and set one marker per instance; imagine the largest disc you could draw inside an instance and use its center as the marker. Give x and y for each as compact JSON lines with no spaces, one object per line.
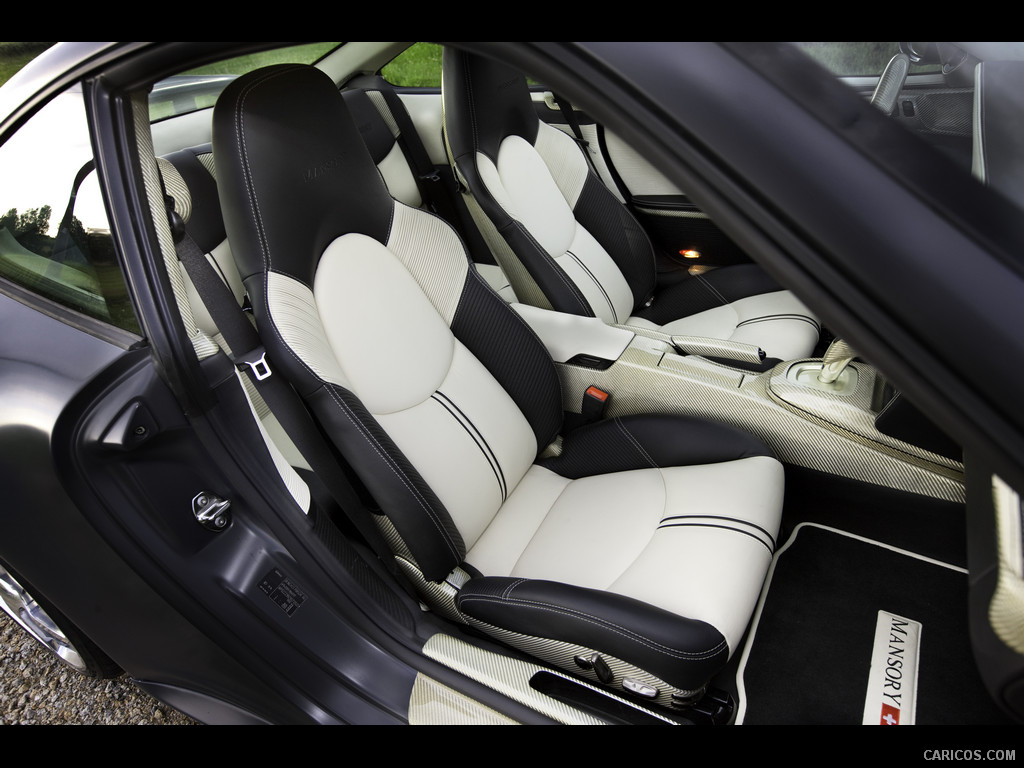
{"x":694,"y":540}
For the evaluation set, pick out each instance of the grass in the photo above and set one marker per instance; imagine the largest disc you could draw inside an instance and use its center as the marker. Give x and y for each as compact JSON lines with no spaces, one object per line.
{"x":301,"y":53}
{"x":418,"y":67}
{"x":14,"y":56}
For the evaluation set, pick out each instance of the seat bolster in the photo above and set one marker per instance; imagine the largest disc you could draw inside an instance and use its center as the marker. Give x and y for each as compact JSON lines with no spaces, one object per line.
{"x":683,"y":652}
{"x":205,"y":223}
{"x":621,"y":236}
{"x":646,"y":441}
{"x":514,"y":355}
{"x":550,"y":278}
{"x":418,"y":515}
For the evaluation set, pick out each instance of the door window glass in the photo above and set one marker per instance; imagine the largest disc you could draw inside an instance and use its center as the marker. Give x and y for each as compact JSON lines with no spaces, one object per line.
{"x":54,"y":234}
{"x":853,"y":59}
{"x":199,"y":88}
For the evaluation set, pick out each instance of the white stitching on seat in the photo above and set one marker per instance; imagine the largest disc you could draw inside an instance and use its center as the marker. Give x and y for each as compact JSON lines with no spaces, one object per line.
{"x":634,"y":441}
{"x":393,"y":466}
{"x":266,"y":258}
{"x":603,"y":623}
{"x":714,"y":291}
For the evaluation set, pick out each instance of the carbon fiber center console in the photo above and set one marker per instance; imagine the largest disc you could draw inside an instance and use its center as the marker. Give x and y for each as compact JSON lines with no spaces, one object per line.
{"x":825,"y":427}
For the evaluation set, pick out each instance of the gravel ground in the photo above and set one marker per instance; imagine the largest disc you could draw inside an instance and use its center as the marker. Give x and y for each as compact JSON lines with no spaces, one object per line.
{"x":37,"y":689}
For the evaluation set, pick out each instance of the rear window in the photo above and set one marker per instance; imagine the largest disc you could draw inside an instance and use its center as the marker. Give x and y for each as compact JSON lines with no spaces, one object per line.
{"x":199,"y":88}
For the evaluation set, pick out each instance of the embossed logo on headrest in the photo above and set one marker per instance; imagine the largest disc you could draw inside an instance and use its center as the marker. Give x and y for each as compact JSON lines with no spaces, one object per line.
{"x":326,"y":167}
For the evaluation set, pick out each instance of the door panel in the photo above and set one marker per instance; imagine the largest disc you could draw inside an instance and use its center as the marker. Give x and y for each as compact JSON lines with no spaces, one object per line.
{"x":135,"y":466}
{"x":49,"y":371}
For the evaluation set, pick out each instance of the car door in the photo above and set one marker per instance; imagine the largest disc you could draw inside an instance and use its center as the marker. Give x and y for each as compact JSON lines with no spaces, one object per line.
{"x":109,"y":458}
{"x":936,"y":96}
{"x":935,"y":104}
{"x":86,"y":410}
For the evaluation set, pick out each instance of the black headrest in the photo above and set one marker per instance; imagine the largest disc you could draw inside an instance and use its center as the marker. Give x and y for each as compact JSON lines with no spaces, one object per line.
{"x":292,"y":171}
{"x":485,"y":102}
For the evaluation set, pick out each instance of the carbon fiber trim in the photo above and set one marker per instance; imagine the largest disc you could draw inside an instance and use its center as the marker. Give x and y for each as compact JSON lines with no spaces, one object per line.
{"x":155,"y":194}
{"x":511,"y":677}
{"x":563,"y":655}
{"x":434,"y":704}
{"x":817,"y":430}
{"x":730,"y":350}
{"x":492,"y":669}
{"x":668,"y":213}
{"x":946,"y":112}
{"x":1006,"y":611}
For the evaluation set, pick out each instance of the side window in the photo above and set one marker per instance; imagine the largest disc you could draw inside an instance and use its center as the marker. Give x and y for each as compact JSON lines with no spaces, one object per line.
{"x":419,"y":66}
{"x":197,"y":89}
{"x":55,"y":238}
{"x":852,"y":59}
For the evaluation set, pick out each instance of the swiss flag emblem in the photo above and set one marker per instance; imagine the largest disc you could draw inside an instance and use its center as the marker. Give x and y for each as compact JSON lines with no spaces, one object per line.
{"x":890,"y":715}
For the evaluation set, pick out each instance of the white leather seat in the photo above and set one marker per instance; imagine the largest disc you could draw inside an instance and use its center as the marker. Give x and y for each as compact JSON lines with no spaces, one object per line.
{"x":634,"y":555}
{"x":566,"y":242}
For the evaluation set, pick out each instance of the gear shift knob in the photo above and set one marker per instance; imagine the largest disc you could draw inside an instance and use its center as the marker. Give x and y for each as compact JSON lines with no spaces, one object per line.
{"x":837,"y":357}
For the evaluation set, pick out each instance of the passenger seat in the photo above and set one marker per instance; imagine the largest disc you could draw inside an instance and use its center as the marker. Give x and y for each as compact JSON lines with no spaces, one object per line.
{"x":568,"y":243}
{"x":397,"y":154}
{"x":634,"y":555}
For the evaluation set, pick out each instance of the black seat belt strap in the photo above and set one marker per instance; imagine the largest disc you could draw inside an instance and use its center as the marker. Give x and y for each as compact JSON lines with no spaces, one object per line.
{"x":428,"y":179}
{"x":570,"y":117}
{"x":247,"y":353}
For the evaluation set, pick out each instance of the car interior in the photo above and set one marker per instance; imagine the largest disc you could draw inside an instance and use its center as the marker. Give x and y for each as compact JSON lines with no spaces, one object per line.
{"x":613,"y":514}
{"x":571,"y":438}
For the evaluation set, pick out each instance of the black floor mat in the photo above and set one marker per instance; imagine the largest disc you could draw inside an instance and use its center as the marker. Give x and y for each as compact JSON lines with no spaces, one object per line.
{"x":811,"y":649}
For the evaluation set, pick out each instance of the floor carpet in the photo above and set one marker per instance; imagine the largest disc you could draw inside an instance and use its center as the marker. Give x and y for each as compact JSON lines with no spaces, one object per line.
{"x":810,"y":652}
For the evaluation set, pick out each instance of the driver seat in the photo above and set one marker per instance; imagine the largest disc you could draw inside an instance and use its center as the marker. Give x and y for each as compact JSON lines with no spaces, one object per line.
{"x":631,"y":551}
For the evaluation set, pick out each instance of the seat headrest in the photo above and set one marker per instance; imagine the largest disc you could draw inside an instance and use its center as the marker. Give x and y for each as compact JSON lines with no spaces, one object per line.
{"x":485,"y":102}
{"x":293,"y":171}
{"x":998,"y":114}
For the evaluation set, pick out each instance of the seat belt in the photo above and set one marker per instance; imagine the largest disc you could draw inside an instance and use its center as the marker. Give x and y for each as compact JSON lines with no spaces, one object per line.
{"x":446,"y":203}
{"x":248,"y":355}
{"x":570,"y":117}
{"x":408,"y":139}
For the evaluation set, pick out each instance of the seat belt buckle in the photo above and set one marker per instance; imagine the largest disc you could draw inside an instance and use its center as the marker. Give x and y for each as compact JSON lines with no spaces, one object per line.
{"x":595,"y":401}
{"x":259,"y":367}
